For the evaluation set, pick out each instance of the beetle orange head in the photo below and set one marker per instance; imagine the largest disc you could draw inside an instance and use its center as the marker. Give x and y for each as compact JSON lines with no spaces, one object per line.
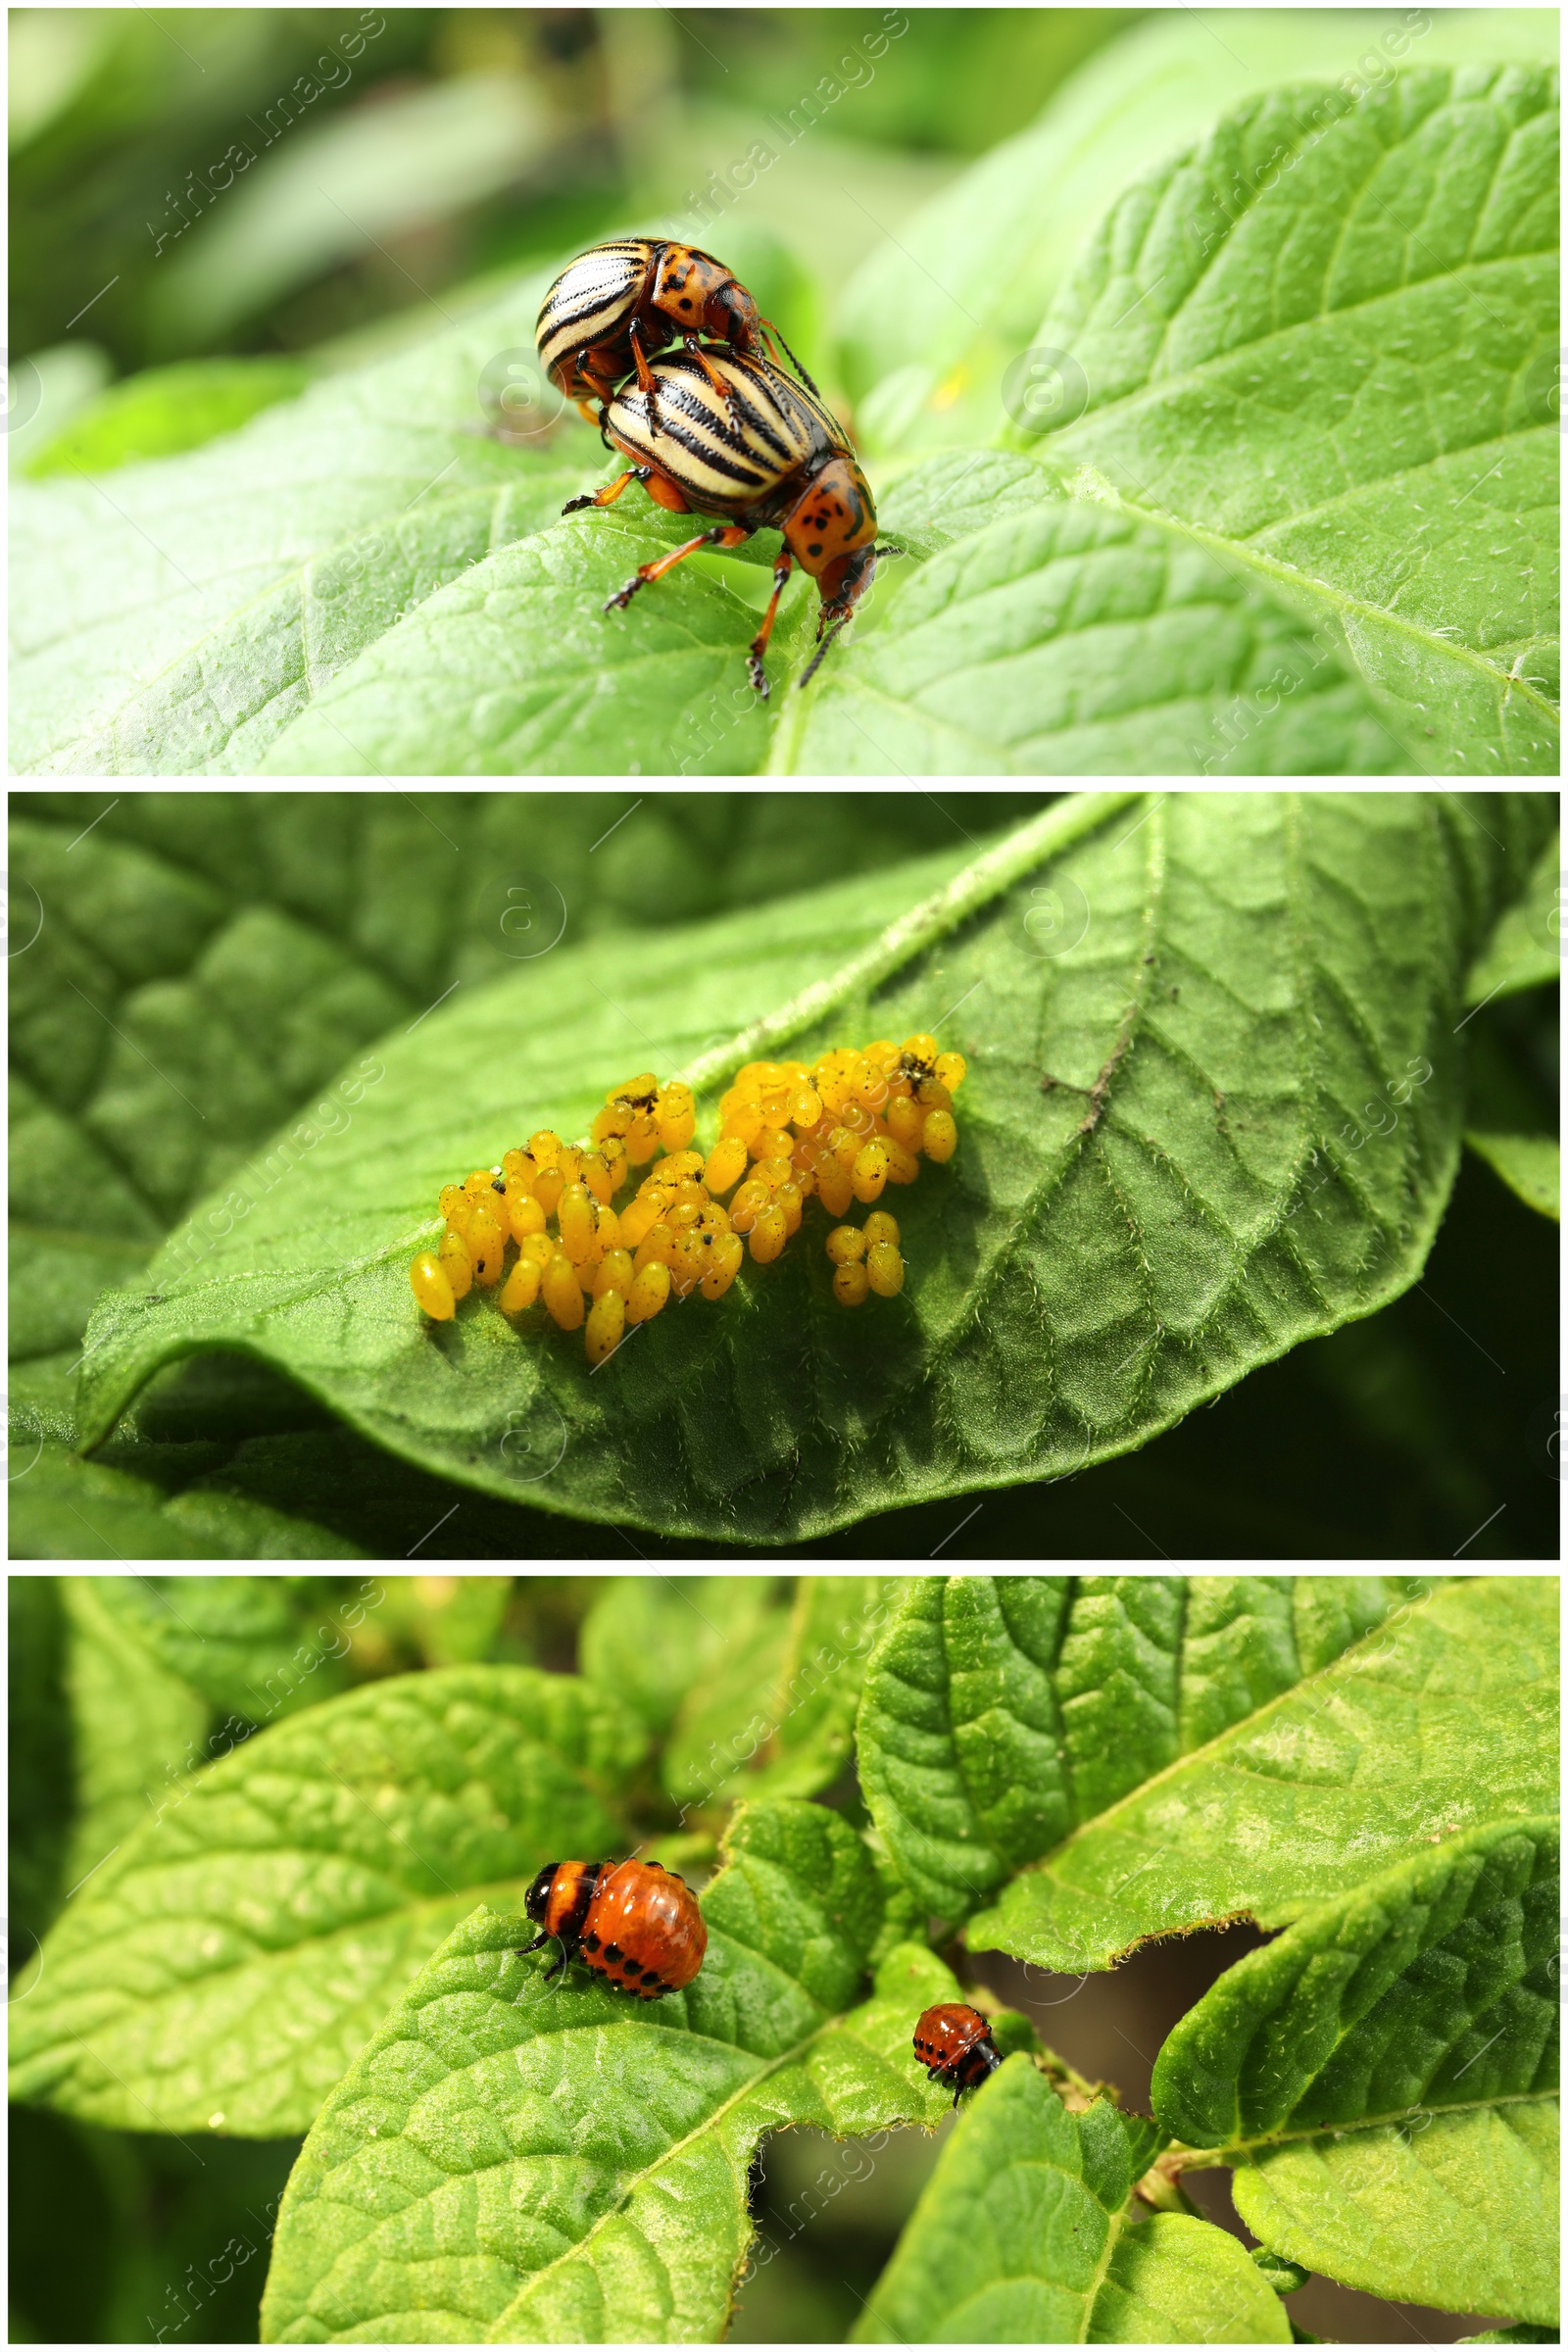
{"x":833,"y":522}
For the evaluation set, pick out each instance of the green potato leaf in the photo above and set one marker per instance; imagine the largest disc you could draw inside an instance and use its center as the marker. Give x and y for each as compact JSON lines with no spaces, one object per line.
{"x":1004,"y":1715}
{"x":1439,"y":1720}
{"x":1321,"y":346}
{"x":1526,"y":948}
{"x":1432,"y":1985}
{"x":929,"y":322}
{"x":1243,"y":1002}
{"x":575,"y":2166}
{"x":777,"y":1716}
{"x":1530,"y":1165}
{"x":648,"y":1641}
{"x":221,"y":1969}
{"x":134,"y":1722}
{"x":1462,"y":2214}
{"x":1028,"y":2232}
{"x":1383,"y":2077}
{"x":1047,"y":636}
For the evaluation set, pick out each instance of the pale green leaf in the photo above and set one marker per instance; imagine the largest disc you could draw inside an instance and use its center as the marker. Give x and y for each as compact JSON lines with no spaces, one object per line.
{"x":176,"y":623}
{"x":1462,"y":2215}
{"x":929,"y":322}
{"x":1002,"y":1716}
{"x":648,"y":1639}
{"x":136,"y":1727}
{"x":1526,"y":948}
{"x":1429,"y":1987}
{"x":775,"y":1716}
{"x":1530,"y":1165}
{"x":1322,"y":346}
{"x":166,"y":410}
{"x":222,"y":1969}
{"x":1243,"y":1004}
{"x":1052,"y":637}
{"x":514,"y":667}
{"x":1441,"y":1721}
{"x":513,"y":2163}
{"x":1027,"y":2232}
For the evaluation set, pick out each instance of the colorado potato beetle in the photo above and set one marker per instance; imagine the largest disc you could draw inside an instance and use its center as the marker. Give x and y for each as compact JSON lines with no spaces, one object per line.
{"x":757,"y":447}
{"x":634,"y":1923}
{"x":954,"y":2044}
{"x":615,"y":306}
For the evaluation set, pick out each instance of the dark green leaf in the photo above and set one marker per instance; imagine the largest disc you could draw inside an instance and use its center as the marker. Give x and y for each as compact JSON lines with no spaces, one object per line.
{"x":1202,"y":1004}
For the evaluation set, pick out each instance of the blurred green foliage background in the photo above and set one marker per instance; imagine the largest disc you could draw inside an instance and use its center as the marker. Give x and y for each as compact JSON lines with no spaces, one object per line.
{"x":358,"y":175}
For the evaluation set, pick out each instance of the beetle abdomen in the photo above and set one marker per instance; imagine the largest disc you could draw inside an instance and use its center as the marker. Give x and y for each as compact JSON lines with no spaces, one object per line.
{"x":724,"y":449}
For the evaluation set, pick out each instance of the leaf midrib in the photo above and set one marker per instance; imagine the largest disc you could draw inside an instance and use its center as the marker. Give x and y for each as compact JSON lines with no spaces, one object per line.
{"x":1197,"y":2160}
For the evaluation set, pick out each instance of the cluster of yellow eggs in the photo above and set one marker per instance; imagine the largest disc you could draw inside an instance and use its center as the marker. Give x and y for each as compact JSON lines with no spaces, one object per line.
{"x":843,"y":1128}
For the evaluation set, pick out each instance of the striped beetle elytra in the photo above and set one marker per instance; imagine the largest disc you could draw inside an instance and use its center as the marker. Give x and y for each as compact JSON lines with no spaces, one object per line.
{"x":621,"y":303}
{"x":737,"y":437}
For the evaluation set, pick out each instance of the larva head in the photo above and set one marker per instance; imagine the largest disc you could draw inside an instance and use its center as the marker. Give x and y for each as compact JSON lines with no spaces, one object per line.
{"x":831,"y":529}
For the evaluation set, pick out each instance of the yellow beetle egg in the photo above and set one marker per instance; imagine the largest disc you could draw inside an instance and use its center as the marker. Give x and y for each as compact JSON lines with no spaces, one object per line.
{"x":428,"y":1278}
{"x":768,"y":1235}
{"x":458,"y":1266}
{"x":850,"y":1285}
{"x":845,"y":1244}
{"x":614,"y":1274}
{"x":649,"y":1291}
{"x":940,"y":1136}
{"x":884,"y":1269}
{"x":520,"y":1288}
{"x":606,"y":1321}
{"x":562,"y":1295}
{"x":726,"y":1164}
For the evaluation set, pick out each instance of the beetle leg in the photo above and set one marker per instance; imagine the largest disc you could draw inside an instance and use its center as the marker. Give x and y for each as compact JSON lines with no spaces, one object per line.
{"x":608,"y":496}
{"x":531,"y":1947}
{"x":723,"y":534}
{"x":759,"y":645}
{"x":646,"y":385}
{"x":726,"y":392}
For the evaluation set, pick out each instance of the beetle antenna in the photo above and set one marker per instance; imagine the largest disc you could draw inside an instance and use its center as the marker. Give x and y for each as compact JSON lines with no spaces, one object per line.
{"x":815,"y":663}
{"x":792,"y":360}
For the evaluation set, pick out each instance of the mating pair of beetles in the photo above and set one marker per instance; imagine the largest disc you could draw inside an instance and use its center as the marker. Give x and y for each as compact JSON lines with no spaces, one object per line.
{"x":717,"y":428}
{"x":637,"y":1925}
